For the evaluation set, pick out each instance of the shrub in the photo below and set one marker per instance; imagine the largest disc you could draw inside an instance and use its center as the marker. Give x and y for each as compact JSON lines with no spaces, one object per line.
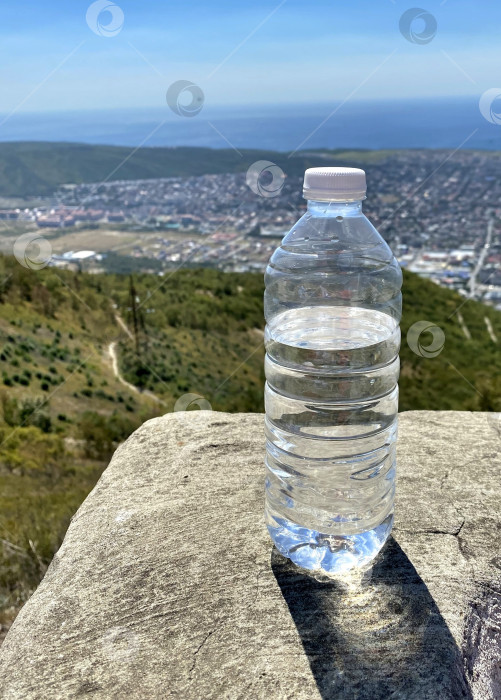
{"x":103,"y":433}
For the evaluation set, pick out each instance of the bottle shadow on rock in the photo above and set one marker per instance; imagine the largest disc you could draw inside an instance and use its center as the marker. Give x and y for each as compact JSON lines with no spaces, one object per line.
{"x":381,"y":637}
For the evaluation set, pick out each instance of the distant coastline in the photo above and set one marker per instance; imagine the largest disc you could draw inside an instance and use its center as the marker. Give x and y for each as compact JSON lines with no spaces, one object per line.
{"x":420,"y":123}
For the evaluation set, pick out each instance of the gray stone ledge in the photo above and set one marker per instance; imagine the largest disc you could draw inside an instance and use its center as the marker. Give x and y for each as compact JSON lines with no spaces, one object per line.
{"x":166,"y":585}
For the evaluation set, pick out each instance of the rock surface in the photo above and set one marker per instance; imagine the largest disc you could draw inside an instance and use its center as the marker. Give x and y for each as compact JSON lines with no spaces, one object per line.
{"x":166,"y":585}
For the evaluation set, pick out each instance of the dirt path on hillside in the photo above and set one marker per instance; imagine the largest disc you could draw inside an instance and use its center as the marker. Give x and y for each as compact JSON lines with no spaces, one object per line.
{"x":123,"y":325}
{"x":113,"y":355}
{"x":490,"y":329}
{"x":463,"y":325}
{"x":112,"y":352}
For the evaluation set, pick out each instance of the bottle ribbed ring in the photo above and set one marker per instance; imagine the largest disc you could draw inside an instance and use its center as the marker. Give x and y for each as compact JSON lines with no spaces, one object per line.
{"x":334,"y":184}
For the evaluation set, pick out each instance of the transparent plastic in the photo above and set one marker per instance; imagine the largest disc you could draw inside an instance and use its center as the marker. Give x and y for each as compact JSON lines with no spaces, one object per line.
{"x":332,"y":307}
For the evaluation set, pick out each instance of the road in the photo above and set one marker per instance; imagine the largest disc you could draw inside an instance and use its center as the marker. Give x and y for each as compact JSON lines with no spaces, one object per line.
{"x":481,"y":258}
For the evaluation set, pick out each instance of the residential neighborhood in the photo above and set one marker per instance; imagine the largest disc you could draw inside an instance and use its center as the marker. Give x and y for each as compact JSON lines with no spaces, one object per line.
{"x":439,"y":213}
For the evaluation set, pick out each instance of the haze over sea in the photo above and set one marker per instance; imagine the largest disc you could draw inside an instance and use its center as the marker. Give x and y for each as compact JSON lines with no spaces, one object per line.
{"x":425,"y":123}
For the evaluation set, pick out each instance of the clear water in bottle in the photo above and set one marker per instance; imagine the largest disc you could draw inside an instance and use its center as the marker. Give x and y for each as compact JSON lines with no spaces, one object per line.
{"x":332,"y":306}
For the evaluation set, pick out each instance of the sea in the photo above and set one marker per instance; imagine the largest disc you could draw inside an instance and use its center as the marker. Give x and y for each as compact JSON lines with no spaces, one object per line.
{"x":451,"y":123}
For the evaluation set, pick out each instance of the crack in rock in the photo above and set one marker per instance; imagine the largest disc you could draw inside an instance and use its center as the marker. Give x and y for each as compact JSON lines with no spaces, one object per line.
{"x":203,"y":642}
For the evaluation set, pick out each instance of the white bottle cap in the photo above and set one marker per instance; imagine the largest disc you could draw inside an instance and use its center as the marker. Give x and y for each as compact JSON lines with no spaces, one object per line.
{"x":334,"y":184}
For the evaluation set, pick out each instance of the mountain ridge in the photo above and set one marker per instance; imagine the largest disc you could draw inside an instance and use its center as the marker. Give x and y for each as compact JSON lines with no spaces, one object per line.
{"x":38,"y":168}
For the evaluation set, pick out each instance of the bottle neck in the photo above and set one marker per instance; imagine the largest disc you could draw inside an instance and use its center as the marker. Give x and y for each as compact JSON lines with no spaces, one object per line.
{"x":324,"y":209}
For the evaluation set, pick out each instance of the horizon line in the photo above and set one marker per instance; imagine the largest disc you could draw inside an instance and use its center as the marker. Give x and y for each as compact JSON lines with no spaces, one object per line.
{"x":257,"y":105}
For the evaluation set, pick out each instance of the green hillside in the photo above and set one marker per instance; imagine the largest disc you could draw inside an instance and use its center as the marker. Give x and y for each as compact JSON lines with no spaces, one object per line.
{"x":38,"y":168}
{"x":64,"y":410}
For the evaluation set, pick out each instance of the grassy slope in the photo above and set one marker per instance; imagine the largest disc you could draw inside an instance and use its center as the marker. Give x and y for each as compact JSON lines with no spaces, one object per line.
{"x":53,"y":350}
{"x":200,"y":328}
{"x":203,"y":335}
{"x":466,"y":375}
{"x":37,"y":168}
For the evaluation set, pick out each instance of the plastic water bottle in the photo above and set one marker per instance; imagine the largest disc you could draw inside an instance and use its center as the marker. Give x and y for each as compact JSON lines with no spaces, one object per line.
{"x":332,"y":306}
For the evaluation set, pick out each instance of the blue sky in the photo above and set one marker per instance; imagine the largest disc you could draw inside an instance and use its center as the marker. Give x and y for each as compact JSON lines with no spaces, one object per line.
{"x":320,"y":51}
